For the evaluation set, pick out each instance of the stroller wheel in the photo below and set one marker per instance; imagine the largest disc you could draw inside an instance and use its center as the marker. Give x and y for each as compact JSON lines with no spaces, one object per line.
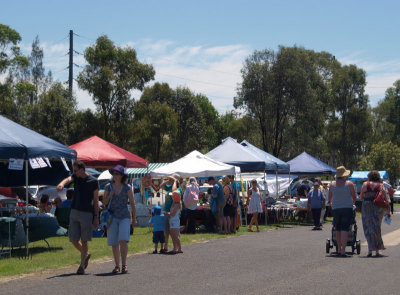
{"x":328,"y":246}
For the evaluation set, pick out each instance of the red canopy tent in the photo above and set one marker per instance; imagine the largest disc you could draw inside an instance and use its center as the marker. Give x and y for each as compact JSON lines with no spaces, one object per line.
{"x":98,"y":153}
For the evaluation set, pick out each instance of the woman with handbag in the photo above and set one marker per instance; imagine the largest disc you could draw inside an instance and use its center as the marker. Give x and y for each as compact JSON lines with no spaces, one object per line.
{"x":118,"y":232}
{"x":342,"y":196}
{"x":191,"y":202}
{"x":372,"y":215}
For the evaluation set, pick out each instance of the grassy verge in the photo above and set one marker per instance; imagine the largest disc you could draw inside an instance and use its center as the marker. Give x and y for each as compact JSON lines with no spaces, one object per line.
{"x":63,"y":254}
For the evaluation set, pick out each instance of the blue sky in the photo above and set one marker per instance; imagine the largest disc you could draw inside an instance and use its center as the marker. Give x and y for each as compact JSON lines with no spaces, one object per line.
{"x":202,"y":44}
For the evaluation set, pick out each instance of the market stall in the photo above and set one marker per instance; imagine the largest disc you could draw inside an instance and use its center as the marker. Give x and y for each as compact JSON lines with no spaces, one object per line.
{"x":28,"y":157}
{"x":197,"y":165}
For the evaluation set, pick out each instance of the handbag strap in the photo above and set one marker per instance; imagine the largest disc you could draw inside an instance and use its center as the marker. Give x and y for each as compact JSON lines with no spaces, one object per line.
{"x":109,"y":203}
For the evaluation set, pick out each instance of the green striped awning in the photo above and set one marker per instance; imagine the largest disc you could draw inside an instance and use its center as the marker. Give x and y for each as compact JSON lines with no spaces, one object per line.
{"x":140,"y":172}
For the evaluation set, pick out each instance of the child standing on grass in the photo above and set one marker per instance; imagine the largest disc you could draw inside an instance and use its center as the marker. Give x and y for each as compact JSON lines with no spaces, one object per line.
{"x":158,"y":221}
{"x":175,"y":223}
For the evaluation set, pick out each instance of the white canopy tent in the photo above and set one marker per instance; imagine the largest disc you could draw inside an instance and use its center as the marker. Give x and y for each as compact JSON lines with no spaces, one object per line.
{"x":195,"y":164}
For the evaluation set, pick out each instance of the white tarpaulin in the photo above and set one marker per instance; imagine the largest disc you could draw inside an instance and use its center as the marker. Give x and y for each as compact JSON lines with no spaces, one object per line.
{"x":195,"y":164}
{"x":271,"y":181}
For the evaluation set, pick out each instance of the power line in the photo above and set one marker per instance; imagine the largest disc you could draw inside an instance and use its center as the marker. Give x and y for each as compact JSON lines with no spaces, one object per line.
{"x":62,"y":39}
{"x":90,"y":39}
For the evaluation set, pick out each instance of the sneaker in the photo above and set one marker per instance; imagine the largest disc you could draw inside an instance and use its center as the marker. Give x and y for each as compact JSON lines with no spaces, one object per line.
{"x":155,"y":251}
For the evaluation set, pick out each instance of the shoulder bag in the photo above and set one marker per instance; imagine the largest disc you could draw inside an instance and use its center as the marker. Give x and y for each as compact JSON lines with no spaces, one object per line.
{"x":107,"y":213}
{"x":380,"y":198}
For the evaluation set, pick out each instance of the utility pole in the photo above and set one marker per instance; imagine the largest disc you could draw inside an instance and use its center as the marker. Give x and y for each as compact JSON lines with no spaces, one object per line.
{"x":71,"y":61}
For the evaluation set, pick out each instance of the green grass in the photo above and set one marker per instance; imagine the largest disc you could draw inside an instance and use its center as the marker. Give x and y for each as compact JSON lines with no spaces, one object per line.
{"x":63,"y":254}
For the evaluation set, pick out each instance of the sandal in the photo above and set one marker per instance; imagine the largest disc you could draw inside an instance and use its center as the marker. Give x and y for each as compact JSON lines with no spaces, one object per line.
{"x":179,"y":251}
{"x":80,"y":271}
{"x":116,"y":270}
{"x":124,"y":269}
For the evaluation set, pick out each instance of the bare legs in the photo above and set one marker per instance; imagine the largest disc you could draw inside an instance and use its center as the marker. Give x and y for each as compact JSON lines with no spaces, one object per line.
{"x":176,"y":239}
{"x":228,"y":224}
{"x":254,"y":220}
{"x":120,"y":250}
{"x":341,"y":240}
{"x":83,"y":248}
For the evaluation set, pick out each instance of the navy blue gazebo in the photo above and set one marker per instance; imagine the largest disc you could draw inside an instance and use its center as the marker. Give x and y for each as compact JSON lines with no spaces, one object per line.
{"x":19,"y":142}
{"x":305,"y":164}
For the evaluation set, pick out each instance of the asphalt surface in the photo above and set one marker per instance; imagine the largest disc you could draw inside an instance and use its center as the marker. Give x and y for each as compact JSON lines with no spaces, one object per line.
{"x":284,"y":261}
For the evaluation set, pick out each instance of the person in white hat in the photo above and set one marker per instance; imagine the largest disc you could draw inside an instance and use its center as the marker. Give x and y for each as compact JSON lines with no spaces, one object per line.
{"x":342,"y":196}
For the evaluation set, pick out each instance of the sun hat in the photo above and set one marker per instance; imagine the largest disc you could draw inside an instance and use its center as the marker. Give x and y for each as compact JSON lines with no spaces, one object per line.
{"x":176,"y":197}
{"x":177,"y":177}
{"x":119,"y":168}
{"x":342,"y":172}
{"x":171,"y":177}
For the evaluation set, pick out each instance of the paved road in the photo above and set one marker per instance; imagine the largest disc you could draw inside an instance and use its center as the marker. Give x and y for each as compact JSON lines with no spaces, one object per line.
{"x":285,"y":261}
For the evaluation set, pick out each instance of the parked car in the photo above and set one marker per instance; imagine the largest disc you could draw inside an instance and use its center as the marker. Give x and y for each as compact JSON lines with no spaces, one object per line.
{"x":396,"y":196}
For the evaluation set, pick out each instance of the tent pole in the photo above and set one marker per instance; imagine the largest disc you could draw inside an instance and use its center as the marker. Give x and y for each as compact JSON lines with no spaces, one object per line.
{"x":26,"y":208}
{"x":238,"y":197}
{"x":151,"y":195}
{"x":277,"y":191}
{"x":265,"y":201}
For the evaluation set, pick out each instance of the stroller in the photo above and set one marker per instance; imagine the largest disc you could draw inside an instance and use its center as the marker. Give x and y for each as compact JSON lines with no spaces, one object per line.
{"x":351,"y":241}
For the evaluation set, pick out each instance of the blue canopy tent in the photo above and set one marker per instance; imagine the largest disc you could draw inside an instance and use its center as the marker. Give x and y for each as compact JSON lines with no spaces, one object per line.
{"x":358,"y":177}
{"x":232,"y":153}
{"x":272,"y":163}
{"x":363,"y":175}
{"x":19,"y":142}
{"x":305,"y":164}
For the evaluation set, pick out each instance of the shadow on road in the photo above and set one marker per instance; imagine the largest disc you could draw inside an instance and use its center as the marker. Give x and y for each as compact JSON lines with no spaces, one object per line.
{"x":64,"y":275}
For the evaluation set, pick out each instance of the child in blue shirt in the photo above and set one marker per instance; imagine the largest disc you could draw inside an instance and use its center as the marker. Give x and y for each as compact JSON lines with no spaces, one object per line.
{"x":158,"y":221}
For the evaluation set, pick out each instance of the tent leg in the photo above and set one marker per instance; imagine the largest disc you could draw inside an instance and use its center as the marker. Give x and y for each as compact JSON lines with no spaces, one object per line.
{"x":265,"y":201}
{"x":238,"y":202}
{"x":26,"y":208}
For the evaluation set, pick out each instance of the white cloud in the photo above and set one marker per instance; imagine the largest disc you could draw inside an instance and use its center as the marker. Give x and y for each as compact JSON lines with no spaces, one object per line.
{"x":380,"y":75}
{"x":210,"y":70}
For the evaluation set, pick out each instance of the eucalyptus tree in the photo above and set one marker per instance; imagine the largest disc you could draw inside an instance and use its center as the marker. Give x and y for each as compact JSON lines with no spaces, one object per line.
{"x":287,"y":93}
{"x":12,"y":63}
{"x":350,"y":123}
{"x":110,"y":76}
